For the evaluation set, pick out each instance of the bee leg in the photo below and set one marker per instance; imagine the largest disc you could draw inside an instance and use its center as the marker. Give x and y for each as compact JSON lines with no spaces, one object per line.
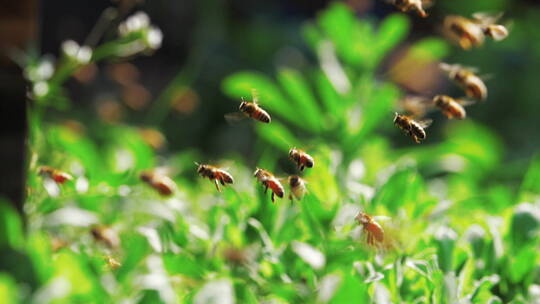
{"x":217,"y":185}
{"x":416,"y":140}
{"x":273,"y":197}
{"x":302,"y":167}
{"x":265,"y":189}
{"x":221,"y":181}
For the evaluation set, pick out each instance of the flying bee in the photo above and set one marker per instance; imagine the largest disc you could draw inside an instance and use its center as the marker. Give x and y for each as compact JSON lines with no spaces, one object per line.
{"x":471,"y":32}
{"x":216,"y":174}
{"x":106,"y":235}
{"x":487,"y":21}
{"x":466,"y":32}
{"x":268,"y":180}
{"x":112,"y":263}
{"x":298,"y":187}
{"x":450,"y":107}
{"x":301,"y":158}
{"x":468,"y":79}
{"x":250,"y":109}
{"x":373,"y":230}
{"x":59,"y":177}
{"x":412,"y":5}
{"x":413,"y":128}
{"x":161,"y":183}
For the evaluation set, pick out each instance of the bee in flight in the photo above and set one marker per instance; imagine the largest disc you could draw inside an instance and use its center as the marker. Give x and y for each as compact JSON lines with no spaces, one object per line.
{"x":59,"y":177}
{"x":106,"y":235}
{"x":250,"y":109}
{"x":450,"y":107}
{"x":112,"y":263}
{"x":301,"y":158}
{"x":412,"y":5}
{"x":216,"y":174}
{"x":297,"y":186}
{"x":470,"y":33}
{"x":373,"y":230}
{"x":268,"y":180}
{"x":161,"y":183}
{"x":413,"y":128}
{"x":466,"y":78}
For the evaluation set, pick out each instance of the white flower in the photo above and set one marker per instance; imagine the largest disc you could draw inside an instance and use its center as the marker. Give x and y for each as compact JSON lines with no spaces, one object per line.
{"x":154,"y":36}
{"x":40,"y":89}
{"x":80,"y":54}
{"x":134,"y":23}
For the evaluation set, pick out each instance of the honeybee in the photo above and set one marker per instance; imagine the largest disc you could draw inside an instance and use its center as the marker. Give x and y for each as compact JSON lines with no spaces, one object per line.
{"x":60,"y":177}
{"x":413,"y":128}
{"x":216,"y":174}
{"x":470,"y":33}
{"x":106,"y":235}
{"x":298,"y":187}
{"x":450,"y":107}
{"x":412,"y":5}
{"x":374,"y":231}
{"x":466,"y":78}
{"x":112,"y":263}
{"x":250,"y":109}
{"x":161,"y":183}
{"x":268,"y":180}
{"x":494,"y":31}
{"x":301,"y":158}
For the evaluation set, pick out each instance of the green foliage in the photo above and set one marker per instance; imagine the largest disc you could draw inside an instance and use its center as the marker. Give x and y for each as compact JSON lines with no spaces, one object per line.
{"x":452,"y":234}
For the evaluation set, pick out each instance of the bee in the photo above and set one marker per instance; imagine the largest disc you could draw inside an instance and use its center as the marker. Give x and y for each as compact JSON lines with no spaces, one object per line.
{"x":374,"y":231}
{"x":450,"y":107}
{"x":466,"y":32}
{"x":413,"y":128}
{"x":60,"y":177}
{"x":487,"y":21}
{"x":161,"y":183}
{"x":216,"y":174}
{"x":298,"y":187}
{"x":268,"y":180}
{"x":112,"y":263}
{"x":250,"y":109}
{"x":301,"y":158}
{"x":466,"y":78}
{"x":412,"y":5}
{"x":470,"y":33}
{"x":106,"y":235}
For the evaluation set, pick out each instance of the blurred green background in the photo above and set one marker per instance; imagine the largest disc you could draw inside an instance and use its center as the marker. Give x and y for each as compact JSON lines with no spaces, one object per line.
{"x":460,"y":211}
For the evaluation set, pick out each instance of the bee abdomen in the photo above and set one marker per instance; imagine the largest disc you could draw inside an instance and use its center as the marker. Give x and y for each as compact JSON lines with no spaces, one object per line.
{"x":417,"y":130}
{"x":262,"y":116}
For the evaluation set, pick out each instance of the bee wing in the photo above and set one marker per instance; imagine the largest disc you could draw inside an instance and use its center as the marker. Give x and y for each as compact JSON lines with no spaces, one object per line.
{"x":465,"y":102}
{"x":425,"y":123}
{"x":486,"y":18}
{"x":255,"y":95}
{"x":416,"y":106}
{"x":234,"y":117}
{"x":427,"y":3}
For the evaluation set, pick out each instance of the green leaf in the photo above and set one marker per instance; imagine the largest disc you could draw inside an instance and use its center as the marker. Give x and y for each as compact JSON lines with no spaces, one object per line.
{"x":402,"y":189}
{"x":306,"y":106}
{"x":8,"y":289}
{"x":351,"y":289}
{"x":11,"y":229}
{"x":353,"y":38}
{"x":278,"y":135}
{"x":392,"y":30}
